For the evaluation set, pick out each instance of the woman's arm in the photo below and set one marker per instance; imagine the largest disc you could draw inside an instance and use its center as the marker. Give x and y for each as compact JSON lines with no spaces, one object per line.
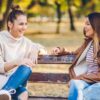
{"x":12,"y":64}
{"x":9,"y":65}
{"x":90,"y":78}
{"x":41,"y":49}
{"x":63,"y":51}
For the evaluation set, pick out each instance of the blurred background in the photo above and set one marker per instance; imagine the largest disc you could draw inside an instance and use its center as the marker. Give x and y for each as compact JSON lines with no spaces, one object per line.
{"x":52,"y":23}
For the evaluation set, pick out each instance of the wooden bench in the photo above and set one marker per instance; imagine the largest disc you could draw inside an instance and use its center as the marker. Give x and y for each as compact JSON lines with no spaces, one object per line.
{"x":51,"y":77}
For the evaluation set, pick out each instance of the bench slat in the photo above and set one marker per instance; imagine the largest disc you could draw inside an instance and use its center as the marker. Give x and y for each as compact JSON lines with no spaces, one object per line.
{"x":55,"y":59}
{"x":49,"y":77}
{"x":52,"y":77}
{"x":46,"y":98}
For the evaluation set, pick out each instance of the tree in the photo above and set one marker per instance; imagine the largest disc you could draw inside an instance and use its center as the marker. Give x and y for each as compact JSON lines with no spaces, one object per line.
{"x":58,"y":5}
{"x":3,"y":20}
{"x":67,"y":4}
{"x":59,"y":15}
{"x":0,"y":5}
{"x":85,"y":7}
{"x":32,"y":3}
{"x":72,"y":27}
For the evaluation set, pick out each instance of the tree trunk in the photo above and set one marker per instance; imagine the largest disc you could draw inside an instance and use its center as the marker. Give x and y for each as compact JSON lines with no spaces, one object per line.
{"x":92,"y":7}
{"x":58,"y":11}
{"x":0,"y":5}
{"x":32,"y":3}
{"x":72,"y":27}
{"x":5,"y":15}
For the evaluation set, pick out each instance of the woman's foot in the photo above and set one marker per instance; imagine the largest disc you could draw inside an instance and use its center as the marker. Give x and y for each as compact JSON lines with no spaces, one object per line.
{"x":5,"y":95}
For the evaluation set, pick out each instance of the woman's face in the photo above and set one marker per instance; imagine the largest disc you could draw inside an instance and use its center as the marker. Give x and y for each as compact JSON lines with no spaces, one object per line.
{"x":19,"y":26}
{"x":89,"y":32}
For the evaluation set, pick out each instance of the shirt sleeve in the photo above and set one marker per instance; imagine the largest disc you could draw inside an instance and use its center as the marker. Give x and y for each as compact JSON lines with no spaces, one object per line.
{"x":35,"y":51}
{"x":41,"y":49}
{"x":1,"y":61}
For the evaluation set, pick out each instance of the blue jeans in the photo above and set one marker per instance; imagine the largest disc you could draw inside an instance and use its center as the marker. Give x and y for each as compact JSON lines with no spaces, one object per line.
{"x":92,"y":92}
{"x":76,"y":89}
{"x":18,"y":80}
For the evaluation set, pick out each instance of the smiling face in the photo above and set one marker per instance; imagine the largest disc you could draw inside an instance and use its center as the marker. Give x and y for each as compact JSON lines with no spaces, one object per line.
{"x":18,"y":27}
{"x":89,"y":32}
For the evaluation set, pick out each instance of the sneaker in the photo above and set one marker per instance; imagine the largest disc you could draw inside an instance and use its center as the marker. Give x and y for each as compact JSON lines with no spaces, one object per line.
{"x":5,"y":95}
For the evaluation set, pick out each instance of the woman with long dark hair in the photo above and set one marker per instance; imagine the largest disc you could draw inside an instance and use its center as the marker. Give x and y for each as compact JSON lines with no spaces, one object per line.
{"x":85,"y":70}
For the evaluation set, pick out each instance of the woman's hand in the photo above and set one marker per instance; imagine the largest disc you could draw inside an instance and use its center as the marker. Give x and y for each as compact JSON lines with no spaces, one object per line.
{"x":12,"y":64}
{"x":56,"y":51}
{"x":25,"y":61}
{"x":59,"y":51}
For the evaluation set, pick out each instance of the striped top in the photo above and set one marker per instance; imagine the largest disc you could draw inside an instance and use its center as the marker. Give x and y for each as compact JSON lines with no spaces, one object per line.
{"x":92,"y":63}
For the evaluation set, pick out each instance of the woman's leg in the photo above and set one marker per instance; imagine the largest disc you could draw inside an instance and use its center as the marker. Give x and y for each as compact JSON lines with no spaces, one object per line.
{"x":73,"y":93}
{"x":76,"y":88}
{"x":92,"y":92}
{"x":18,"y":78}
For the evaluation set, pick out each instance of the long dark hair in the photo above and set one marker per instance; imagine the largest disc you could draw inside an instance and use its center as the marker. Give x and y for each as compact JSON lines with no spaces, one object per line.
{"x":94,"y":19}
{"x":15,"y":12}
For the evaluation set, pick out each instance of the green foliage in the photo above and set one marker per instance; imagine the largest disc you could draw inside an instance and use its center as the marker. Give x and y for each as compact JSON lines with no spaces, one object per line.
{"x":48,"y":7}
{"x":61,"y":2}
{"x":85,"y":7}
{"x":22,"y":3}
{"x":3,"y":8}
{"x":43,"y":11}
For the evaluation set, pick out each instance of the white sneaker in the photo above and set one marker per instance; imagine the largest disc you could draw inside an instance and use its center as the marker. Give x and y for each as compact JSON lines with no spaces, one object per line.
{"x":5,"y":95}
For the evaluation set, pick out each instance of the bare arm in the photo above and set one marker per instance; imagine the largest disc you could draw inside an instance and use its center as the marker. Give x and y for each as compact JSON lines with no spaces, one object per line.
{"x":63,"y":51}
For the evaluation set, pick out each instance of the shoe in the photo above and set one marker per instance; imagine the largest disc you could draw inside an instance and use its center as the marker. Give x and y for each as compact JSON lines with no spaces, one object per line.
{"x":5,"y":95}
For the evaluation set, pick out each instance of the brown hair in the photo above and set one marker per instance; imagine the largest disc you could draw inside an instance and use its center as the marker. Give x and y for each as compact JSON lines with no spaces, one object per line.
{"x":94,"y":19}
{"x":16,"y":11}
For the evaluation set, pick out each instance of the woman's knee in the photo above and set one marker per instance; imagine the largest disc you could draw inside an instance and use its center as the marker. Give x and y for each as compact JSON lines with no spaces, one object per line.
{"x":25,"y":69}
{"x":79,"y":84}
{"x":74,"y":82}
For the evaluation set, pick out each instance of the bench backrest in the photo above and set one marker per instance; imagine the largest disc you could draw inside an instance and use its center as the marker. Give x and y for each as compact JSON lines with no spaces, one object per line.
{"x":52,"y":77}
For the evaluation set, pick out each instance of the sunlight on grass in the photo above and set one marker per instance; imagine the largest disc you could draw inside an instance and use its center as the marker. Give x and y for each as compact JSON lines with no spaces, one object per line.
{"x":45,"y":89}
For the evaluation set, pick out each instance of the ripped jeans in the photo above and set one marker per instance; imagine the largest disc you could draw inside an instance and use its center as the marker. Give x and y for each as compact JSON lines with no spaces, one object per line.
{"x":16,"y":84}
